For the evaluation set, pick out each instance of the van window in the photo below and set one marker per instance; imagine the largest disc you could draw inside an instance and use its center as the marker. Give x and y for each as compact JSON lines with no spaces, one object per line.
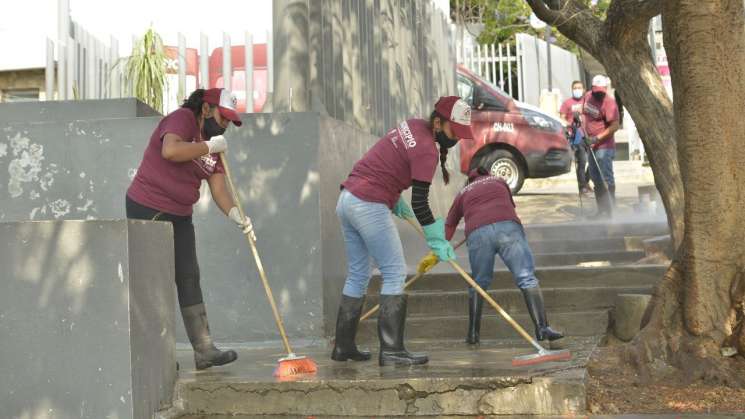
{"x":465,"y":89}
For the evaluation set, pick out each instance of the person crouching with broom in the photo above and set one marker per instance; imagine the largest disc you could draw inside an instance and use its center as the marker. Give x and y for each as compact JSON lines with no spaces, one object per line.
{"x":407,"y":156}
{"x":493,"y":228}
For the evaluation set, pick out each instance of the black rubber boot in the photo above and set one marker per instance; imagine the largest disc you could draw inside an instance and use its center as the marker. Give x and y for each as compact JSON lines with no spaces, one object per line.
{"x":475,"y":307}
{"x":350,"y":310}
{"x":534,"y":301}
{"x":602,"y":200}
{"x":198,"y":329}
{"x":391,"y":322}
{"x":612,"y":190}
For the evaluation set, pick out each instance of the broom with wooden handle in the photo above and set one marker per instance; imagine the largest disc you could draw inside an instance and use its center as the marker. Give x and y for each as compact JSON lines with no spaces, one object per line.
{"x":291,"y":364}
{"x":408,"y":283}
{"x":543,"y":355}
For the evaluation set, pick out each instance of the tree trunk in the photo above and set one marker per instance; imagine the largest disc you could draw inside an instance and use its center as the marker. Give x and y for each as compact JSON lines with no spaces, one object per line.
{"x":620,"y":45}
{"x":699,"y":306}
{"x":635,"y":76}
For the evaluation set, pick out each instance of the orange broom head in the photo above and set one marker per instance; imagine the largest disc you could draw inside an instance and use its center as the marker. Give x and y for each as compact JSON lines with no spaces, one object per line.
{"x":541,"y":357}
{"x":294,"y":365}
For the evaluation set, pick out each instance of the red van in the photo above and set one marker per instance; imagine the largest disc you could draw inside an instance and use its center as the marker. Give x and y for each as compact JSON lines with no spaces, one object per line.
{"x":513,"y":140}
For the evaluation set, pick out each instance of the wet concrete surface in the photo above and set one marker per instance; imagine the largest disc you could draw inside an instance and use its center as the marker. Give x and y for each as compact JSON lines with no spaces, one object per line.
{"x":458,"y":380}
{"x":630,"y":416}
{"x":492,"y":358}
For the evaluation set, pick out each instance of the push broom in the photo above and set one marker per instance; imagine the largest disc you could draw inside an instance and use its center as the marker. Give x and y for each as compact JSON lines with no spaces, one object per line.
{"x":408,"y":283}
{"x":291,"y":364}
{"x":543,"y":355}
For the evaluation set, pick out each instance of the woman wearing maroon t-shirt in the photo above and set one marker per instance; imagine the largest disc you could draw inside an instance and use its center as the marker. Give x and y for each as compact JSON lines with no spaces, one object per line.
{"x":493,"y":228}
{"x":405,"y":157}
{"x":182,"y":151}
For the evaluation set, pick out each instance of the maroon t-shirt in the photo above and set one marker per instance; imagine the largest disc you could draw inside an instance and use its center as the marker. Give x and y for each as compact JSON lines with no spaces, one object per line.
{"x":169,"y":186}
{"x":598,"y":116}
{"x":408,"y":152}
{"x":569,"y":107}
{"x":484,"y":201}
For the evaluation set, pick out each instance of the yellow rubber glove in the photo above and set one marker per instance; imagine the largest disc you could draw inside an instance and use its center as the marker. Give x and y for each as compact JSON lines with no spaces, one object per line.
{"x":427,"y":263}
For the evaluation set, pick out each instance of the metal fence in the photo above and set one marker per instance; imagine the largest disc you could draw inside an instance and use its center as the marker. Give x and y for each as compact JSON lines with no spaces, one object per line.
{"x":520,"y":67}
{"x":498,"y":64}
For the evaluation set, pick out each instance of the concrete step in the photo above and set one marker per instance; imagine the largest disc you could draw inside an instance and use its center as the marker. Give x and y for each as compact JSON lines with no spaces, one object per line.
{"x":493,"y":326}
{"x":628,"y":243}
{"x":575,"y":258}
{"x":550,"y":277}
{"x":459,"y":380}
{"x":594,"y":230}
{"x":439,"y":303}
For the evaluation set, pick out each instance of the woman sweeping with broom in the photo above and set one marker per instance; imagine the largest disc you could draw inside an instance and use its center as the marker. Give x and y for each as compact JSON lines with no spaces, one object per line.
{"x":405,"y":157}
{"x":493,"y":228}
{"x":182,"y":151}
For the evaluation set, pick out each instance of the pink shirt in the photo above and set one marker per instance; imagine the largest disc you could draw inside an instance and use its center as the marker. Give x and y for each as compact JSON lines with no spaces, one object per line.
{"x":569,"y":107}
{"x":408,"y":152}
{"x":484,"y":201}
{"x":598,"y":116}
{"x":169,"y":186}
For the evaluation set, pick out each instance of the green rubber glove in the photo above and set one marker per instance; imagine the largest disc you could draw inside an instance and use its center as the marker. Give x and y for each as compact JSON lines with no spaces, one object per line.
{"x":435,"y":235}
{"x":402,"y":210}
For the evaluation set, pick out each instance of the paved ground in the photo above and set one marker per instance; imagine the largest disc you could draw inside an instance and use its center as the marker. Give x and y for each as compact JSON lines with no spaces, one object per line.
{"x":448,"y":359}
{"x":459,"y":380}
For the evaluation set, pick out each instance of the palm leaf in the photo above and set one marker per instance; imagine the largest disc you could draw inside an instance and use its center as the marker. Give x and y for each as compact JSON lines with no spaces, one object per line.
{"x":145,"y":69}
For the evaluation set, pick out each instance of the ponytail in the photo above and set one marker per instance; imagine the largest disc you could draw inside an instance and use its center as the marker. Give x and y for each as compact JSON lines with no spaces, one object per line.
{"x":443,"y":150}
{"x":195,"y":102}
{"x":443,"y":160}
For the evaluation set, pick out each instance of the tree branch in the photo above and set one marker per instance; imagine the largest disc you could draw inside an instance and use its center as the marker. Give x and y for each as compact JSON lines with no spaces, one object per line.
{"x":629,"y":19}
{"x":574,"y":20}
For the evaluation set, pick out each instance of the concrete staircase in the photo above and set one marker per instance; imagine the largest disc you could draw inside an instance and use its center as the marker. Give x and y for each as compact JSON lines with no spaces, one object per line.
{"x":577,"y":297}
{"x":459,"y":380}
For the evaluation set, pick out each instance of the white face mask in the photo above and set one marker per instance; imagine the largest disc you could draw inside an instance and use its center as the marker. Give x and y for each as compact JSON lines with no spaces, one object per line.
{"x":577,"y":93}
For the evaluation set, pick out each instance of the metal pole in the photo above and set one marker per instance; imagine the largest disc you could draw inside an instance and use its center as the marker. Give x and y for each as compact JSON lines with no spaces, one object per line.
{"x":501,"y":68}
{"x":181,"y":93}
{"x":63,"y":33}
{"x":204,"y":68}
{"x":70,"y":70}
{"x":509,"y":69}
{"x":249,"y":72}
{"x":49,"y":72}
{"x":548,"y":56}
{"x":519,"y":59}
{"x":115,"y":69}
{"x":478,"y":60}
{"x":269,"y":61}
{"x":227,"y":72}
{"x":493,"y":62}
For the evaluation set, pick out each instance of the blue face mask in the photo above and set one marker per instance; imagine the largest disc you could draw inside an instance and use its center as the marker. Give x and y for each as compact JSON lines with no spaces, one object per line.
{"x":577,"y":93}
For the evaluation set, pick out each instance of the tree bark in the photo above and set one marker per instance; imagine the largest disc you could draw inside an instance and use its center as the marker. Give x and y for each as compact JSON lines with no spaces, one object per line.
{"x":705,"y":42}
{"x":619,"y":43}
{"x":696,"y":154}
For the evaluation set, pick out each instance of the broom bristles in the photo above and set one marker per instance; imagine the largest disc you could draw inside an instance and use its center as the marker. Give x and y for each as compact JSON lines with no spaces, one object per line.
{"x":293,"y":366}
{"x":541,"y":358}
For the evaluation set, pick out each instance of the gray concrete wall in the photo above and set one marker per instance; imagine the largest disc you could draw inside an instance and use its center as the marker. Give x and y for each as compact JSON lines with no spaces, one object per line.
{"x":369,"y":63}
{"x":69,"y":110}
{"x":287,"y":167}
{"x":84,"y":331}
{"x":82,"y":169}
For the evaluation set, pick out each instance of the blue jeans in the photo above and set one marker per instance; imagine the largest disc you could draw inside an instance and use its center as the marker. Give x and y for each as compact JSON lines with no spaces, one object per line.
{"x":507,"y":239}
{"x":605,"y":158}
{"x":369,"y":232}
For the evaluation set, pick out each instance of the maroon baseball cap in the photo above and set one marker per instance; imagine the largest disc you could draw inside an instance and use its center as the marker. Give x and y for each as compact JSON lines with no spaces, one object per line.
{"x":457,"y":111}
{"x":226,"y":102}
